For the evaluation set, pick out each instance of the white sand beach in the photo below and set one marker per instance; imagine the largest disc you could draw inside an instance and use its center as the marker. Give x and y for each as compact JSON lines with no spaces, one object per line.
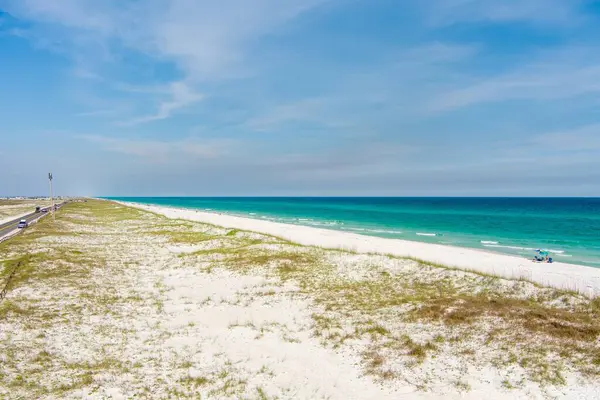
{"x":113,"y":302}
{"x":583,"y":279}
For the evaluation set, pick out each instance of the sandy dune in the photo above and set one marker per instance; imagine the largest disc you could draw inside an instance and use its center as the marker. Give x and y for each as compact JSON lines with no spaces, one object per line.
{"x":585,"y":280}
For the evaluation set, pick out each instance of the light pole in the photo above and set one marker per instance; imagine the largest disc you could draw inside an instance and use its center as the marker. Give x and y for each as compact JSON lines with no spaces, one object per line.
{"x":51,"y":195}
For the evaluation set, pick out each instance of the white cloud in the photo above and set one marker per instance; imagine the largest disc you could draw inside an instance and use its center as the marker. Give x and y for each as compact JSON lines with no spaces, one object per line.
{"x":181,"y":96}
{"x":206,"y":41}
{"x":554,"y":12}
{"x":364,"y":98}
{"x":88,"y":15}
{"x":560,"y":74}
{"x":161,"y":150}
{"x":306,"y":110}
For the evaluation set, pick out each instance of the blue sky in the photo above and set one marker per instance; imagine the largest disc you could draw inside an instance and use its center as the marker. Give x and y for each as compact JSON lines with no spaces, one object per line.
{"x":300,"y":97}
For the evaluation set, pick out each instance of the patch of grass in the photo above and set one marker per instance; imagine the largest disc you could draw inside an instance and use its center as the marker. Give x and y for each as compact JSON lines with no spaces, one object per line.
{"x":439,"y":339}
{"x":323,"y":323}
{"x":409,"y":300}
{"x":506,"y":384}
{"x":184,"y":237}
{"x":248,"y":324}
{"x":377,"y":329}
{"x":108,"y":212}
{"x":10,"y":308}
{"x":462,"y":386}
{"x":43,"y":357}
{"x":229,"y":386}
{"x":195,"y":381}
{"x":58,"y":262}
{"x":417,"y":350}
{"x":244,"y":258}
{"x":374,"y":360}
{"x":533,"y":317}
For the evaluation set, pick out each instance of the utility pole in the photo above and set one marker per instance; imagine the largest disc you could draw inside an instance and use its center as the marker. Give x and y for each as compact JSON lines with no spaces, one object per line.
{"x":51,"y":195}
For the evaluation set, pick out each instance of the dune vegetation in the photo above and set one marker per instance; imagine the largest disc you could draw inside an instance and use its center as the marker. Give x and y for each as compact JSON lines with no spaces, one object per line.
{"x":110,"y":300}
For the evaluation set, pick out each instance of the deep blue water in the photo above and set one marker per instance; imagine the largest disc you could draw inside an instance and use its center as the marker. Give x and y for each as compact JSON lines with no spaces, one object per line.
{"x":568,"y":227}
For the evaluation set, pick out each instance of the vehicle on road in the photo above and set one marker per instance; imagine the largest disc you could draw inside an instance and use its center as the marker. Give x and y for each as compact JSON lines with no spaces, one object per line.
{"x":37,"y":209}
{"x":44,"y":210}
{"x":22,"y":224}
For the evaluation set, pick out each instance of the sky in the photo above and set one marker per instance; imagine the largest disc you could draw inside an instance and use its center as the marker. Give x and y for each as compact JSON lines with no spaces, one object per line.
{"x":300,"y":97}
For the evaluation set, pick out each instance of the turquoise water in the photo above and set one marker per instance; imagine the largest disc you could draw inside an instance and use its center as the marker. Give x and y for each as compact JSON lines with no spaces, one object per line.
{"x":568,"y":227}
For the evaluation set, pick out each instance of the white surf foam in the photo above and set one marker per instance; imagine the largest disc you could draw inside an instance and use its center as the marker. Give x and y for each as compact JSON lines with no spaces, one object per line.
{"x":384,"y":231}
{"x":509,"y":247}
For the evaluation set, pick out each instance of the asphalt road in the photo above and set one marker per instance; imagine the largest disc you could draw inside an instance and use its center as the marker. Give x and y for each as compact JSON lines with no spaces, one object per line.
{"x":8,"y":227}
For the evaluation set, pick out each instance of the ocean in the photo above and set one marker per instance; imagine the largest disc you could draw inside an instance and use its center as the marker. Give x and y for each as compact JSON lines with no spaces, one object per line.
{"x":568,"y":227}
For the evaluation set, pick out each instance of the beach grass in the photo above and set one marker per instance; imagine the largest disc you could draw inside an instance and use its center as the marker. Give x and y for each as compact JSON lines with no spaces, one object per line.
{"x":462,"y":309}
{"x":400,"y":316}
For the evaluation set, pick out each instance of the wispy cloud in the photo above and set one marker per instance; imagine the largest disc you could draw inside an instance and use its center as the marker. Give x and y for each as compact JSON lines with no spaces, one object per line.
{"x":377,"y":95}
{"x":554,"y":12}
{"x":181,"y":96}
{"x":560,"y":74}
{"x":163,"y":150}
{"x":580,"y":139}
{"x":97,"y":113}
{"x":364,"y":99}
{"x":203,"y":40}
{"x":311,"y":110}
{"x":208,"y":39}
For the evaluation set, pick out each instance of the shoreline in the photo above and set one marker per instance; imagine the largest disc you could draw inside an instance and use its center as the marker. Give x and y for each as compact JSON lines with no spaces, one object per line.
{"x":583,"y":279}
{"x":205,"y":310}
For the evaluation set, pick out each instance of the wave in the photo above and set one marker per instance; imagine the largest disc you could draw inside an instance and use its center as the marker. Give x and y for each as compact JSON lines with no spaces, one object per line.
{"x":384,"y":231}
{"x":252,"y":214}
{"x":372,"y":230}
{"x":488,"y":242}
{"x":496,"y":245}
{"x":509,"y":247}
{"x":322,"y":223}
{"x":427,"y":234}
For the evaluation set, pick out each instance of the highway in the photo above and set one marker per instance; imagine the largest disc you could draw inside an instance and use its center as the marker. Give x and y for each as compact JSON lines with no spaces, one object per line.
{"x":11,"y":226}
